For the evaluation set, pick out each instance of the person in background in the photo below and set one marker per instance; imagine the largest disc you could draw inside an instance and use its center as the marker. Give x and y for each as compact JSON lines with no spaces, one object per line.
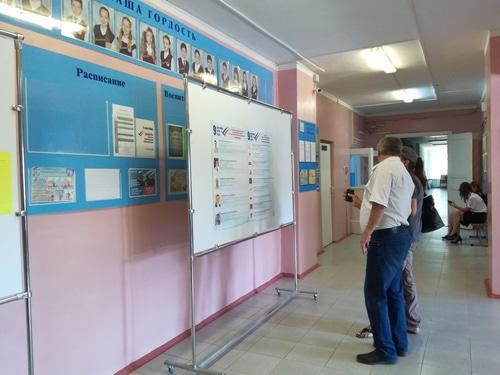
{"x":385,"y":239}
{"x":103,"y":36}
{"x":166,"y":53}
{"x":76,"y":18}
{"x":148,"y":46}
{"x":244,"y":84}
{"x":125,"y":41}
{"x":476,"y":188}
{"x":197,"y":68}
{"x":474,"y":212}
{"x":420,"y":173}
{"x":36,"y":6}
{"x":182,"y":62}
{"x":413,"y":318}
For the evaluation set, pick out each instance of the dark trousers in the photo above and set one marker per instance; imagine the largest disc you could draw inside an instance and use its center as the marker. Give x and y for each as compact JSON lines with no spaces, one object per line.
{"x":384,"y":290}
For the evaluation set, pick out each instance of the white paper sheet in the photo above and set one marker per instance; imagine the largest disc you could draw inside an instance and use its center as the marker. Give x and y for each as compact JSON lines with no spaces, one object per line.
{"x":123,"y":130}
{"x":145,"y":138}
{"x":302,"y":151}
{"x":102,"y":184}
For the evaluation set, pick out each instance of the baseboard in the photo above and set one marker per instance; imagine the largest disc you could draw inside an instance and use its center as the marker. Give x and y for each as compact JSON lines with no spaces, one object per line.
{"x":489,"y":293}
{"x":301,"y":275}
{"x":177,"y":339}
{"x":341,"y":238}
{"x":322,"y":251}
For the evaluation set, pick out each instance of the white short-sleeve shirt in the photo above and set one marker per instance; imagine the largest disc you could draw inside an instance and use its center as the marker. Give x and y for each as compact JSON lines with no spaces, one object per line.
{"x":391,"y":186}
{"x":476,"y":203}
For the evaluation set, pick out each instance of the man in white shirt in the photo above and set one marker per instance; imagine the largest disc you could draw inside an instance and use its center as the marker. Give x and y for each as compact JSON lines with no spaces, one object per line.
{"x":386,"y":239}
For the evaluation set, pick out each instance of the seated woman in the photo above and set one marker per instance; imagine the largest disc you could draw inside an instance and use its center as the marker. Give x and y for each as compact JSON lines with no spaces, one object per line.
{"x":474,"y":212}
{"x":476,"y":188}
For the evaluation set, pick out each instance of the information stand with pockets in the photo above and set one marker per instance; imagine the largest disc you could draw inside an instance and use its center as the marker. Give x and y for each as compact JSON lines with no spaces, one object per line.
{"x":240,"y":186}
{"x":14,"y":255}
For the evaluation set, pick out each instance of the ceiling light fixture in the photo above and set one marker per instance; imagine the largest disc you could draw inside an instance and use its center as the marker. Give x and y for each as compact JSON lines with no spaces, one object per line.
{"x":378,"y":60}
{"x":406,"y":95}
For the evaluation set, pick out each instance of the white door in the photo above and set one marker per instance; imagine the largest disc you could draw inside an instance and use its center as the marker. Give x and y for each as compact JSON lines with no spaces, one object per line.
{"x":459,"y":163}
{"x":10,"y":224}
{"x":326,"y":193}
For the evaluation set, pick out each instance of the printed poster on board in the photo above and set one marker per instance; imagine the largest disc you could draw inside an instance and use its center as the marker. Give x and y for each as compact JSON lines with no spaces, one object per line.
{"x":52,"y":185}
{"x":141,"y":182}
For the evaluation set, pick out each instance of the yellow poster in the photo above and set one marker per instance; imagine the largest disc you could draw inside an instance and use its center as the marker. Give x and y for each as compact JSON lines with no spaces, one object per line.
{"x":5,"y":183}
{"x":312,"y":176}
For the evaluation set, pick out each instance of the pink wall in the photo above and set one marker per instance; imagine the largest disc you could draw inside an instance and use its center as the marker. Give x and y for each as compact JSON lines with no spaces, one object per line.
{"x":336,"y":124}
{"x":456,"y":121}
{"x":493,"y":84}
{"x":295,"y":94}
{"x":112,"y":285}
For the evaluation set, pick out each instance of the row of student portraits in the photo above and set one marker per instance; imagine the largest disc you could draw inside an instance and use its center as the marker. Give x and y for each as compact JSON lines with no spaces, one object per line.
{"x":111,"y":29}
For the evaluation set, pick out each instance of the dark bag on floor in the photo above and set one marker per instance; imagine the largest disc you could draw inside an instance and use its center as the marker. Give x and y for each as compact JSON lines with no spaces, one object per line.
{"x":431,"y":220}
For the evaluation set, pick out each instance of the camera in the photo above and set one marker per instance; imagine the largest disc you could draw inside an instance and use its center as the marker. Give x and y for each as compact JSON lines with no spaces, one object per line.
{"x":348,"y":195}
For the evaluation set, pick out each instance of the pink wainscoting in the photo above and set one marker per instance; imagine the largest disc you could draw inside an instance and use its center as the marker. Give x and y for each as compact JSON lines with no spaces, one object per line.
{"x":493,"y":74}
{"x":456,"y":121}
{"x":336,"y":124}
{"x":110,"y":286}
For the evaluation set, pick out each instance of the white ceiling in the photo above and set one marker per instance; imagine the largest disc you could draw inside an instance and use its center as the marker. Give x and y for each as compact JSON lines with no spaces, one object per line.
{"x":437,"y":45}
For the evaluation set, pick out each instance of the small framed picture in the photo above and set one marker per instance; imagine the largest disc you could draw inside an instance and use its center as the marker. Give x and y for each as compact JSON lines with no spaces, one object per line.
{"x":76,"y":19}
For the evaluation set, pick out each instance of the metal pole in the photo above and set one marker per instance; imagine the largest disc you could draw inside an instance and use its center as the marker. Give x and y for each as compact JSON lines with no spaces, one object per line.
{"x":295,"y":253}
{"x":23,"y":211}
{"x":191,"y":242}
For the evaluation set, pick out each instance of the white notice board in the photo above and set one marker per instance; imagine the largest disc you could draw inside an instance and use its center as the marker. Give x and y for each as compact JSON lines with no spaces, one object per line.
{"x":241,"y":167}
{"x":10,"y":225}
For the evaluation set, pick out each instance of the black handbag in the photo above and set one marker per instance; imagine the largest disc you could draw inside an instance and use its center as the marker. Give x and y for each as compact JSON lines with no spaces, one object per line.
{"x":431,"y":220}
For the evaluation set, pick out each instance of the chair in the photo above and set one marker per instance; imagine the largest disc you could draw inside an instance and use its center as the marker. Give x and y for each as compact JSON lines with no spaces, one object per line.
{"x":481,"y":234}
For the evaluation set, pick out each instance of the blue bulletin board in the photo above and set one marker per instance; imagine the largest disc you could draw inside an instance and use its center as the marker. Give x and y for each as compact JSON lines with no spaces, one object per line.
{"x":91,"y":135}
{"x":308,"y":156}
{"x":174,"y":125}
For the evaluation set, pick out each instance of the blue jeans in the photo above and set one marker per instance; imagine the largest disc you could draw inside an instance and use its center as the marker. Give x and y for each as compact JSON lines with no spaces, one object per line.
{"x":384,"y":290}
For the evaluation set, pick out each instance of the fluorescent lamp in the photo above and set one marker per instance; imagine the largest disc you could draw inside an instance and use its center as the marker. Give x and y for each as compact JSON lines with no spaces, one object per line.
{"x":378,"y":60}
{"x":407,"y":96}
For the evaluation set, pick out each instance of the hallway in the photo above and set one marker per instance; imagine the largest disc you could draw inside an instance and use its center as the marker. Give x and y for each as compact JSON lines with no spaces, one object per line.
{"x":459,"y":335}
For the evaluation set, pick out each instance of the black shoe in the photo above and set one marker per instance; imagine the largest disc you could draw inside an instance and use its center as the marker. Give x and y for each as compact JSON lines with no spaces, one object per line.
{"x":402,"y":353}
{"x":456,"y":240}
{"x":374,"y":358}
{"x":447,"y":237}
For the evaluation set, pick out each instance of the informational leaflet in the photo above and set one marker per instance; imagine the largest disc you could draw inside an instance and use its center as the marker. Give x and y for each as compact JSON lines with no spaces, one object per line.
{"x":302,"y":151}
{"x":230,"y":177}
{"x":177,"y":181}
{"x":175,"y":141}
{"x":52,"y":184}
{"x":141,"y":182}
{"x":307,"y":152}
{"x":6,"y":195}
{"x":123,"y":130}
{"x":145,"y":138}
{"x":260,"y":176}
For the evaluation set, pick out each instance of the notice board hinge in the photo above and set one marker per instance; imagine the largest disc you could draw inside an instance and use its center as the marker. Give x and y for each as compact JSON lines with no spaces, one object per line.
{"x":21,"y":213}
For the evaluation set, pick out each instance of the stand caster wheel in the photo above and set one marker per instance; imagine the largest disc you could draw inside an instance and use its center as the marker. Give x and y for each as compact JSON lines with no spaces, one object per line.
{"x":278,"y":292}
{"x":315,"y":296}
{"x":171,"y":370}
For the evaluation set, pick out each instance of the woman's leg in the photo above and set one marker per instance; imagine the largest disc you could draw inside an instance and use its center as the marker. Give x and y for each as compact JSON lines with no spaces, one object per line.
{"x":456,"y":218}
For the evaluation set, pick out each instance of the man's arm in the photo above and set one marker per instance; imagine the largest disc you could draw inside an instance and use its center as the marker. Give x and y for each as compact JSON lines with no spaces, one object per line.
{"x":376,"y":214}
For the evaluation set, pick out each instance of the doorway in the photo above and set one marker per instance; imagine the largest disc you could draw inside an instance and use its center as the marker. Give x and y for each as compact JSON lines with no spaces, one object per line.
{"x":325,"y":173}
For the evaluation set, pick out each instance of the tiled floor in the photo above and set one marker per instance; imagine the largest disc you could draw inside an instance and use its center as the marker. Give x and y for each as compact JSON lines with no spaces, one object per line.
{"x":460,"y":332}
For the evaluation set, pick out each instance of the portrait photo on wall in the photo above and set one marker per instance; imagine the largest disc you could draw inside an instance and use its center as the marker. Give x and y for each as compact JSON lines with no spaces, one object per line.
{"x":40,"y":7}
{"x":166,"y":47}
{"x":254,"y":87}
{"x":103,"y":18}
{"x":197,"y":58}
{"x":148,"y":43}
{"x":176,"y":142}
{"x":210,"y":69}
{"x":126,"y":38}
{"x":183,"y":57}
{"x":76,"y":19}
{"x":224,"y":79}
{"x":244,"y":83}
{"x":235,"y":85}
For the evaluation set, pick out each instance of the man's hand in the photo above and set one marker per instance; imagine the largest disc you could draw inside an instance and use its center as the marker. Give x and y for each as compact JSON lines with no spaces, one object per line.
{"x":365,"y":241}
{"x":356,"y":202}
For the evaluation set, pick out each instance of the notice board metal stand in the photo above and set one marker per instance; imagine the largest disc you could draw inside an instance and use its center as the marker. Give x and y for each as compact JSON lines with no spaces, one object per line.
{"x":22,"y":213}
{"x":202,"y":366}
